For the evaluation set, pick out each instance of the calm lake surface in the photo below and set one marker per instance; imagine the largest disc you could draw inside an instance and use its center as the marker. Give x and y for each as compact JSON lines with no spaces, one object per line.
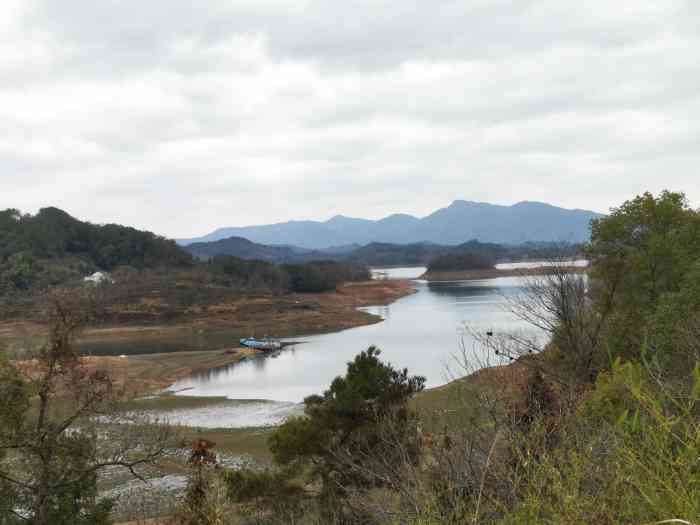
{"x":422,"y":332}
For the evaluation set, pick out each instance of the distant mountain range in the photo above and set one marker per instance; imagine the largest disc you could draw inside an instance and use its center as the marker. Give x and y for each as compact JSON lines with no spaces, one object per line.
{"x":378,"y":254}
{"x":459,"y":222}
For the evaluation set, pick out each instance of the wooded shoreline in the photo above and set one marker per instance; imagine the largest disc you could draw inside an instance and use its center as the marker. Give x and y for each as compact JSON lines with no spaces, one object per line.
{"x":493,"y":273}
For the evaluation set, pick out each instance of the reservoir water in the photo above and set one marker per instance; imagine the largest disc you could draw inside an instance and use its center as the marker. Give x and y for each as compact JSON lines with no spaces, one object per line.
{"x":423,"y":332}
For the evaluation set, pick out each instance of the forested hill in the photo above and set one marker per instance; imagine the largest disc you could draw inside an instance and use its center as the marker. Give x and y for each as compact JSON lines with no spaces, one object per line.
{"x":245,"y":249}
{"x":52,"y":233}
{"x":52,"y":245}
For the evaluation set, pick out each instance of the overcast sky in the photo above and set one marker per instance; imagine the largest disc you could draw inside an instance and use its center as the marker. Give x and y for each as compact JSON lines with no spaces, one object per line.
{"x":180,"y":116}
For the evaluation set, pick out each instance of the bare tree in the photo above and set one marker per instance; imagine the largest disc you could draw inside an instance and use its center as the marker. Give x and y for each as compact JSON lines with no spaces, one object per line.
{"x":560,"y":305}
{"x":61,"y":431}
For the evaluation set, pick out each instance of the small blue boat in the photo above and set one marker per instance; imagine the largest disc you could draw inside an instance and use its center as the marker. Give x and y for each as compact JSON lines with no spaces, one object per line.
{"x":261,"y":344}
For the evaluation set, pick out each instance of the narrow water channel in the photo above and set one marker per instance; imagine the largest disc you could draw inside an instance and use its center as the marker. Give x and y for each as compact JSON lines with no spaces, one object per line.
{"x":422,"y":332}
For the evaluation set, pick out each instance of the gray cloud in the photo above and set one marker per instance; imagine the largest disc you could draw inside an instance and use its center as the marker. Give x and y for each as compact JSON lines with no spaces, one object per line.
{"x":182,"y":117}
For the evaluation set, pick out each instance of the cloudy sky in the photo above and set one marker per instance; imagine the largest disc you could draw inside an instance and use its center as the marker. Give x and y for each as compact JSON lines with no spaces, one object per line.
{"x":180,"y":116}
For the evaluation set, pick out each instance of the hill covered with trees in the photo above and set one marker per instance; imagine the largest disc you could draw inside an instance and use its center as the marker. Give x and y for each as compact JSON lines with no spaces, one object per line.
{"x":311,"y":276}
{"x":475,"y":255}
{"x":52,"y":247}
{"x":154,"y":278}
{"x":245,"y":249}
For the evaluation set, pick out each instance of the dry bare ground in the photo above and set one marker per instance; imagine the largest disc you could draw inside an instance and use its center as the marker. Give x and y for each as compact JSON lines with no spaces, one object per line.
{"x":282,"y":315}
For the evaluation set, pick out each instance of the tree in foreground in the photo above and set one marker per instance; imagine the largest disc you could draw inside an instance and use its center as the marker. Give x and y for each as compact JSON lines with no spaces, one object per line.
{"x":349,"y":441}
{"x":204,"y":501}
{"x":55,"y":427}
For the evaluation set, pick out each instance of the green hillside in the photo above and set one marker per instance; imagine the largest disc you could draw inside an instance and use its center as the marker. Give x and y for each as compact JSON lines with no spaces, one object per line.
{"x":52,"y":247}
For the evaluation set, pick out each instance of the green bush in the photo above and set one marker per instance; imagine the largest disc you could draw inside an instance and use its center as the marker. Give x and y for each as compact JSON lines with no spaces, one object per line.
{"x":630,"y":456}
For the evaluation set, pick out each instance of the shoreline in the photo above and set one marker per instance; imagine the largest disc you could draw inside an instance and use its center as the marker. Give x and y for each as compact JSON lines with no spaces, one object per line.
{"x":494,"y":273}
{"x":142,"y":374}
{"x":282,"y":316}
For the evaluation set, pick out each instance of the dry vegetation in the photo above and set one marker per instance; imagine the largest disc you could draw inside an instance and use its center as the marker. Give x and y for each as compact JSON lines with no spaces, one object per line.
{"x":282,"y":315}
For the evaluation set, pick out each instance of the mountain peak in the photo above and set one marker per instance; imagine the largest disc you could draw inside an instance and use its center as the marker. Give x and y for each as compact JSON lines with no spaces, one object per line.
{"x":462,"y":204}
{"x":532,"y":204}
{"x":343,"y":218}
{"x":398,"y":217}
{"x":457,"y":203}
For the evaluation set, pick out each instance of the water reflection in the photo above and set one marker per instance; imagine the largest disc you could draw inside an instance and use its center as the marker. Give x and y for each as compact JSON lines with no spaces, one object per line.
{"x":412,"y":272}
{"x":382,"y":311}
{"x":190,"y":340}
{"x":182,"y":340}
{"x":421,"y":332}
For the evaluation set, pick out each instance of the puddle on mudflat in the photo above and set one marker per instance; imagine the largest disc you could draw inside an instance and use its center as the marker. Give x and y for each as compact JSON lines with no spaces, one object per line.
{"x":231,"y":414}
{"x":262,"y":414}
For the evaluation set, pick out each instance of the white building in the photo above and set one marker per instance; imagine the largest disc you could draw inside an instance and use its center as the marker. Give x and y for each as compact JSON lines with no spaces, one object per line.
{"x":99,"y":278}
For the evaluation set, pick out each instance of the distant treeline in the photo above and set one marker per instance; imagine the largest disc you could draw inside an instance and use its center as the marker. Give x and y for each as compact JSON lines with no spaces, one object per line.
{"x":462,"y":261}
{"x":51,"y":247}
{"x":472,"y":255}
{"x":475,"y":255}
{"x":312,"y":276}
{"x":387,"y":254}
{"x":380,"y":254}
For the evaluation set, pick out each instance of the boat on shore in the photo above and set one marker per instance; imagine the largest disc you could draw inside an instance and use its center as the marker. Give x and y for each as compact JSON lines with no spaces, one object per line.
{"x":265,"y":343}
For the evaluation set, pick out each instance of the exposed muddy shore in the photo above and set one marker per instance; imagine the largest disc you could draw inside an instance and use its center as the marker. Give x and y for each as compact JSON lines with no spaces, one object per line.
{"x":282,"y":316}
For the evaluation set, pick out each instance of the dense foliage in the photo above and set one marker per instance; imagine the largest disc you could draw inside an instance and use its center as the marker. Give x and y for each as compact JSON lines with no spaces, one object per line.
{"x":353,"y":405}
{"x":363,"y":416}
{"x":648,"y":249}
{"x":313,"y":276}
{"x":52,"y":247}
{"x":475,"y":255}
{"x":454,"y":258}
{"x":320,"y":276}
{"x":248,"y":274}
{"x":625,"y":451}
{"x":53,"y":234}
{"x":379,"y":254}
{"x":389,"y":254}
{"x":462,"y":261}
